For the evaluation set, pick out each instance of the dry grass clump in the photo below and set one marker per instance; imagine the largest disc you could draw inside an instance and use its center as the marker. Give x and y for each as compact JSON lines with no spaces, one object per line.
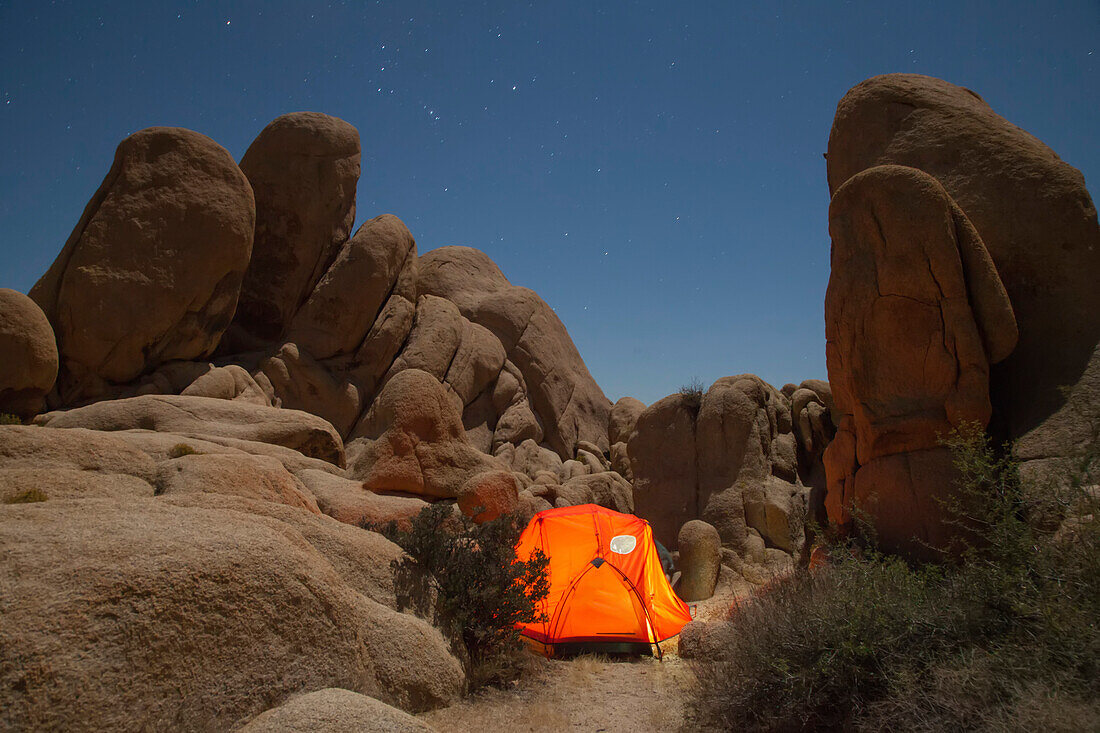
{"x":179,"y":450}
{"x":30,"y":496}
{"x":1005,"y":639}
{"x":692,"y":392}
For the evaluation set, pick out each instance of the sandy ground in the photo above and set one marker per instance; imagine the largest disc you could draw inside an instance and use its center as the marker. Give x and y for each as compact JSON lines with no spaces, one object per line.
{"x":587,"y":693}
{"x":592,"y":693}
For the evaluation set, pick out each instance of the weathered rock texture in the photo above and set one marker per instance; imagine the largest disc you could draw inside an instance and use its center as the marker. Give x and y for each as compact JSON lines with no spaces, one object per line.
{"x":1032,"y":212}
{"x":153,"y":268}
{"x":544,"y":386}
{"x":71,"y":464}
{"x":145,"y":615}
{"x":206,"y":417}
{"x":729,"y":458}
{"x":28,"y":355}
{"x":304,"y":168}
{"x":333,"y":710}
{"x":914,"y":315}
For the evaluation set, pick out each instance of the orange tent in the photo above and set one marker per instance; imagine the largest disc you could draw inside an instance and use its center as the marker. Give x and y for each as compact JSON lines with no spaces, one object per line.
{"x":606,"y":582}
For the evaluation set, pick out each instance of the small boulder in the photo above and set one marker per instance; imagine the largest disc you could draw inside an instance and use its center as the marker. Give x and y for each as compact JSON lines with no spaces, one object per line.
{"x":700,"y":557}
{"x":488,"y":495}
{"x":29,"y":366}
{"x":334,"y":710}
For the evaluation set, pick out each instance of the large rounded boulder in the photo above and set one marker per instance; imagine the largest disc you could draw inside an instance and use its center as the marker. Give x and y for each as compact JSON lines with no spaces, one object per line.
{"x":412,"y":441}
{"x":1030,"y":209}
{"x":377,"y":264}
{"x":29,"y":366}
{"x":144,"y":615}
{"x":153,"y":269}
{"x":304,"y":168}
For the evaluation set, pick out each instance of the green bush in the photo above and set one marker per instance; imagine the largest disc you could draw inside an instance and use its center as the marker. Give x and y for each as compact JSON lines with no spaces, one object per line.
{"x":1005,"y":638}
{"x":30,"y":496}
{"x":9,"y":419}
{"x":468,"y":577}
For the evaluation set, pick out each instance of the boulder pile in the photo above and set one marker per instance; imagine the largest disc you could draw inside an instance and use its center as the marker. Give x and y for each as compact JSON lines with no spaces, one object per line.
{"x":232,"y":378}
{"x":739,"y":458}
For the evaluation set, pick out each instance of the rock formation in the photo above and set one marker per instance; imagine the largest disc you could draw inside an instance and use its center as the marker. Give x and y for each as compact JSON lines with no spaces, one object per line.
{"x":1037,"y":221}
{"x":914,"y":315}
{"x":29,"y":364}
{"x":731,"y":458}
{"x":547,"y":387}
{"x":143,"y":614}
{"x":205,"y":417}
{"x":299,"y":228}
{"x":1028,"y":251}
{"x":152,"y":271}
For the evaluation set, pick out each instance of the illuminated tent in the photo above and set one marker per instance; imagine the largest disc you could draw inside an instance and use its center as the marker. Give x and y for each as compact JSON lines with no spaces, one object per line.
{"x":607,"y":589}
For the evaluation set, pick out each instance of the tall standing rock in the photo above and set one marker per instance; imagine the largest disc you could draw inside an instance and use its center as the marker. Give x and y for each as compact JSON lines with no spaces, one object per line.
{"x":28,"y":355}
{"x":152,"y":271}
{"x":666,"y":475}
{"x":914,"y":316}
{"x":624,"y":416}
{"x":1030,"y":208}
{"x":304,"y":168}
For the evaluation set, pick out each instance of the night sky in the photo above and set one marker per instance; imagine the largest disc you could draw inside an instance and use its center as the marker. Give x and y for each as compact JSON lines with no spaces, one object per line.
{"x":653,"y":170}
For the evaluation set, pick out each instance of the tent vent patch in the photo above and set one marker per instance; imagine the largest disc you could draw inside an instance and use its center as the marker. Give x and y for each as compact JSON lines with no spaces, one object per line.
{"x":623,"y":544}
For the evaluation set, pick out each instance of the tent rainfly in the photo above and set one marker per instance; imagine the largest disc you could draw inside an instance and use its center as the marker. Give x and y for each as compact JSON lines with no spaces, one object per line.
{"x":607,"y":589}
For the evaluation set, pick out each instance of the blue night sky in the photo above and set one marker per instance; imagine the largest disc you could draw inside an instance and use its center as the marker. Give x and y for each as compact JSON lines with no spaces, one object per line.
{"x":653,"y":170}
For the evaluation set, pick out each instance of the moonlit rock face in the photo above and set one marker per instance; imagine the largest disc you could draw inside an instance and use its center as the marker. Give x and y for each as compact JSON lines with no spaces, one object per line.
{"x":1030,"y":208}
{"x":152,"y":271}
{"x":304,"y":169}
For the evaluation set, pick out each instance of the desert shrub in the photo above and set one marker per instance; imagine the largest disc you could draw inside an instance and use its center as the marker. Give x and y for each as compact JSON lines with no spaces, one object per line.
{"x":692,"y":392}
{"x":180,"y":450}
{"x":30,"y":496}
{"x":9,"y":419}
{"x":1004,"y":638}
{"x":476,"y":588}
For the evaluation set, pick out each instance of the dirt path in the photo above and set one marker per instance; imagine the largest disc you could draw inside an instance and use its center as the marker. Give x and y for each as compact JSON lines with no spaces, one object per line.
{"x":592,"y":693}
{"x":587,"y":693}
